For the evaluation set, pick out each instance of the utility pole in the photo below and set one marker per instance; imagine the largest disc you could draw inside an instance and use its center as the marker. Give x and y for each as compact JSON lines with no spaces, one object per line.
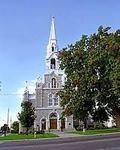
{"x":10,"y":123}
{"x":8,"y":119}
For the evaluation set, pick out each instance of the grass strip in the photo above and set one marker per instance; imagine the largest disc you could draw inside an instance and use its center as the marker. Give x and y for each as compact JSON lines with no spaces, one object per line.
{"x":29,"y":136}
{"x":97,"y":131}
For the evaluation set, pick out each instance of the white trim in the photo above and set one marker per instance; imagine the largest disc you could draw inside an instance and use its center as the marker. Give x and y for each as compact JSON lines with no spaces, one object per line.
{"x":48,"y":108}
{"x":53,"y":112}
{"x":46,"y":88}
{"x":66,"y":123}
{"x":42,"y":118}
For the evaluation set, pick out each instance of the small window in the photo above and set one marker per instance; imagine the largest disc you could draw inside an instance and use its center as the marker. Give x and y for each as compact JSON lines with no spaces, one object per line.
{"x":52,"y":64}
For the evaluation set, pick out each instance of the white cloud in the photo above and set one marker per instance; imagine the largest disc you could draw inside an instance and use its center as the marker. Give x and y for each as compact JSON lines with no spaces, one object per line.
{"x":31,"y":87}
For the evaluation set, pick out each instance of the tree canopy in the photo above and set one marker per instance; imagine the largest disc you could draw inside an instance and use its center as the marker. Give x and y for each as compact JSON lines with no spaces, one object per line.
{"x":5,"y":129}
{"x":27,"y":115}
{"x":92,"y":68}
{"x":15,"y":127}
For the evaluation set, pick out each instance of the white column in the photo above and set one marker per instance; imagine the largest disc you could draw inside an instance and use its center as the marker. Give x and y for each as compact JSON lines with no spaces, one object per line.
{"x":35,"y":125}
{"x":58,"y":124}
{"x":66,"y":123}
{"x":20,"y":127}
{"x":72,"y":122}
{"x":47,"y":124}
{"x":40,"y":125}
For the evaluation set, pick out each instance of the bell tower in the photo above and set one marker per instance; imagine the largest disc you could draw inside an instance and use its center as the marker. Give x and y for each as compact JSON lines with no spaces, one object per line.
{"x":52,"y":62}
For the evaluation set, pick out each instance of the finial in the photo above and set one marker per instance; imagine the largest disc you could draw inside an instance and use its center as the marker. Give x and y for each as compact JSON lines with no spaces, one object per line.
{"x":26,"y":85}
{"x":39,"y":79}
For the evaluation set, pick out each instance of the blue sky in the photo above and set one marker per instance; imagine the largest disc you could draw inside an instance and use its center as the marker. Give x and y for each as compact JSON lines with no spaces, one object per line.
{"x":24,"y":31}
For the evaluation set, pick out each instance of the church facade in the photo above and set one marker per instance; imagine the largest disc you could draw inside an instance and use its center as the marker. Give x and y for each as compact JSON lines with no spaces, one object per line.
{"x":46,"y":100}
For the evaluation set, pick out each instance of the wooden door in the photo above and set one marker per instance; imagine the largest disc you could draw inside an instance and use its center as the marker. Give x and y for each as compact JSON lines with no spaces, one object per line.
{"x":63,"y":123}
{"x":44,"y":126}
{"x":53,"y":123}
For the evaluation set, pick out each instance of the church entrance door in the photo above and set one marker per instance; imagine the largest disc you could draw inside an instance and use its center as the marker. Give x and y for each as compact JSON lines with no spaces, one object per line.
{"x":53,"y":121}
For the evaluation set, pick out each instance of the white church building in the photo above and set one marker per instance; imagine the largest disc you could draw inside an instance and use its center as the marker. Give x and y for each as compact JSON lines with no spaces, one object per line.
{"x":46,"y":100}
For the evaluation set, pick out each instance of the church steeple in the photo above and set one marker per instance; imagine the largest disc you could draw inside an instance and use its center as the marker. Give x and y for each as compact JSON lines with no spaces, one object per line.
{"x":52,"y":43}
{"x":52,"y":31}
{"x":52,"y":62}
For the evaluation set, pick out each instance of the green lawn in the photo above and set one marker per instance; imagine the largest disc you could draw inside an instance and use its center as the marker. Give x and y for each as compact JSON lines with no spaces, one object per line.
{"x":98,"y":131}
{"x":30,"y":136}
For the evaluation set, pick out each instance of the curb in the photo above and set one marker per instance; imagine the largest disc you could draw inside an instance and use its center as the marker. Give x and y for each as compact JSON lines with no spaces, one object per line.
{"x":62,"y":137}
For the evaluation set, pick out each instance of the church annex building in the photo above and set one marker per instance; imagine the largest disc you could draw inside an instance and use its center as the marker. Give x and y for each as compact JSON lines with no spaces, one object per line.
{"x":45,"y":100}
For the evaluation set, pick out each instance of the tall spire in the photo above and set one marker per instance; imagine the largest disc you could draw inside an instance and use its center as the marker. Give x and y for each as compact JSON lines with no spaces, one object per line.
{"x":26,"y":92}
{"x":52,"y":44}
{"x":52,"y":30}
{"x":26,"y":87}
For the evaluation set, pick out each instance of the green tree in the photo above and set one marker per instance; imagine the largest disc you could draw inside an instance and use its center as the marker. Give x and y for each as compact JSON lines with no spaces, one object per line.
{"x":92,"y":68}
{"x":15,"y":126}
{"x":5,"y":129}
{"x":104,"y":62}
{"x":76,"y":97}
{"x":100,"y":115}
{"x":27,"y":115}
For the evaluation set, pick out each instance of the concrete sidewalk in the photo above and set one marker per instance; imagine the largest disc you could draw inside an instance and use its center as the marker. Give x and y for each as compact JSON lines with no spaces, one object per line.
{"x":68,"y":135}
{"x":1,"y":142}
{"x":65,"y":134}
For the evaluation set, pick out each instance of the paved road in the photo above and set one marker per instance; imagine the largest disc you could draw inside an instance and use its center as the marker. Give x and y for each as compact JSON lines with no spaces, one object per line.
{"x":110,"y":142}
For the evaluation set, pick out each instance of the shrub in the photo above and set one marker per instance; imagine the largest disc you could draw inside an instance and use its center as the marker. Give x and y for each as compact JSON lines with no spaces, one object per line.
{"x":99,"y":126}
{"x":40,"y":132}
{"x":79,"y":128}
{"x":14,"y":131}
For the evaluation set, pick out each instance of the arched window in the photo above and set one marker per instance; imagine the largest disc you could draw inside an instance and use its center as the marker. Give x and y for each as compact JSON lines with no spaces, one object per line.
{"x":52,"y":63}
{"x":56,"y":100}
{"x":52,"y":48}
{"x":50,"y":100}
{"x":53,"y":99}
{"x":53,"y":83}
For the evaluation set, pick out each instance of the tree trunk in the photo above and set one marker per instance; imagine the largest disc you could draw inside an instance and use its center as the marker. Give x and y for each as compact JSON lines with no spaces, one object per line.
{"x":84,"y":124}
{"x":116,"y":116}
{"x":117,"y":120}
{"x":27,"y":130}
